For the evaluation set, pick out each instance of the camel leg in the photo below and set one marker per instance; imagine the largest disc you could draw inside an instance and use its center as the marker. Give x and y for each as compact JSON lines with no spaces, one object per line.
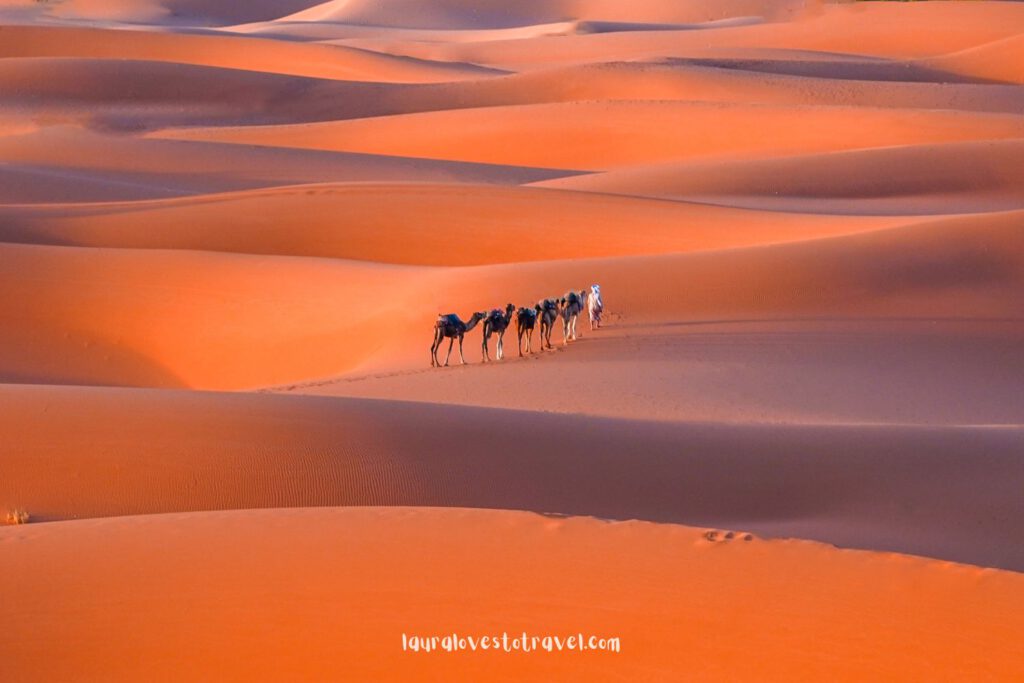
{"x":461,"y":357}
{"x":501,"y":345}
{"x":436,"y":347}
{"x":484,"y":356}
{"x":519,"y":335}
{"x":451,"y":340}
{"x":529,"y":340}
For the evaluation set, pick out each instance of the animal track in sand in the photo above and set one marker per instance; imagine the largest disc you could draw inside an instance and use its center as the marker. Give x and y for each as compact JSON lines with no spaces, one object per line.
{"x":295,"y":386}
{"x":716,"y":536}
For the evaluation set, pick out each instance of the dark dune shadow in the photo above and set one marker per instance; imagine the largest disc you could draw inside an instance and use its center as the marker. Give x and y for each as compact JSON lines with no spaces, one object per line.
{"x":945,"y":492}
{"x":844,"y":69}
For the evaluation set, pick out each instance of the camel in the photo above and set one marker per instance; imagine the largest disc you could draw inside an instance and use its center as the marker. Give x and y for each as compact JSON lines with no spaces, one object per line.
{"x":572,"y":306}
{"x":496,"y":323}
{"x":451,"y":326}
{"x":547,"y":312}
{"x":526,"y":319}
{"x":595,"y":306}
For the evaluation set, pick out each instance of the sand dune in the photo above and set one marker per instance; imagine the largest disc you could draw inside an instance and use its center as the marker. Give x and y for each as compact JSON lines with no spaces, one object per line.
{"x":177,"y":11}
{"x":132,"y":95}
{"x":137,"y":94}
{"x":152,"y":318}
{"x":999,"y":60}
{"x":230,"y":51}
{"x":914,"y":179}
{"x":227,"y":230}
{"x":448,"y":14}
{"x":848,"y":28}
{"x":67,"y":163}
{"x":418,"y":224}
{"x":967,"y":267}
{"x":230,"y":451}
{"x":808,"y":370}
{"x":614,"y":134}
{"x":296,"y":28}
{"x":272,"y":592}
{"x":100,"y":321}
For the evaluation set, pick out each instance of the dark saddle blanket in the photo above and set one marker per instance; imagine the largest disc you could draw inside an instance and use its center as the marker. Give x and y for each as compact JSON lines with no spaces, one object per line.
{"x":447,"y":319}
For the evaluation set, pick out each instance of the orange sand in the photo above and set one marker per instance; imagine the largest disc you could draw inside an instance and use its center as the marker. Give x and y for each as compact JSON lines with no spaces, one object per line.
{"x":226,"y":230}
{"x":326,"y":593}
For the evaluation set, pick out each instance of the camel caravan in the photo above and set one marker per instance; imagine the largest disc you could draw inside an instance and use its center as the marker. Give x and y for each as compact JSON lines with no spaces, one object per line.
{"x":545,"y":312}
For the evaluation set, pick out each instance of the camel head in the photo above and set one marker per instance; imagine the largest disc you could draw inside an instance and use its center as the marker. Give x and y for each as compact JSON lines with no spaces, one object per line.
{"x":477,"y":317}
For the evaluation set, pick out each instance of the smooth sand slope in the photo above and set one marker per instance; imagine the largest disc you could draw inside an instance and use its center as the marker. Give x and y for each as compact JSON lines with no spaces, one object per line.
{"x":188,"y":319}
{"x":74,"y":453}
{"x":880,"y":31}
{"x":232,"y":321}
{"x":914,"y":179}
{"x":419,"y":224}
{"x":805,"y":370}
{"x":609,"y":134}
{"x":70,"y":164}
{"x":226,"y":231}
{"x":997,"y":61}
{"x":156,"y":12}
{"x":280,"y":590}
{"x":227,"y":51}
{"x":449,"y":14}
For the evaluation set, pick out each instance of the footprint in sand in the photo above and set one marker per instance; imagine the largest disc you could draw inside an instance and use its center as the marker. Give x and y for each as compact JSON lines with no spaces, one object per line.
{"x":715,"y":536}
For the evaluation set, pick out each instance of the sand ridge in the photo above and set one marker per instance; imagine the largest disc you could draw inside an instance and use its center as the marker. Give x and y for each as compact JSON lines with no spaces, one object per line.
{"x":226,"y":232}
{"x":241,"y":451}
{"x":273,"y":592}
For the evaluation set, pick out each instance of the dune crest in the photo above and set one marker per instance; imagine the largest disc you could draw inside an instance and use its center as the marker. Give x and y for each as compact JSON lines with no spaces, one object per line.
{"x":281,"y":599}
{"x":228,"y":231}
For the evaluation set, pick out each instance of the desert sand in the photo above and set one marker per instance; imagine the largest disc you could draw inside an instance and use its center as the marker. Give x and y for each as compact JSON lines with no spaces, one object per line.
{"x":794,"y":450}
